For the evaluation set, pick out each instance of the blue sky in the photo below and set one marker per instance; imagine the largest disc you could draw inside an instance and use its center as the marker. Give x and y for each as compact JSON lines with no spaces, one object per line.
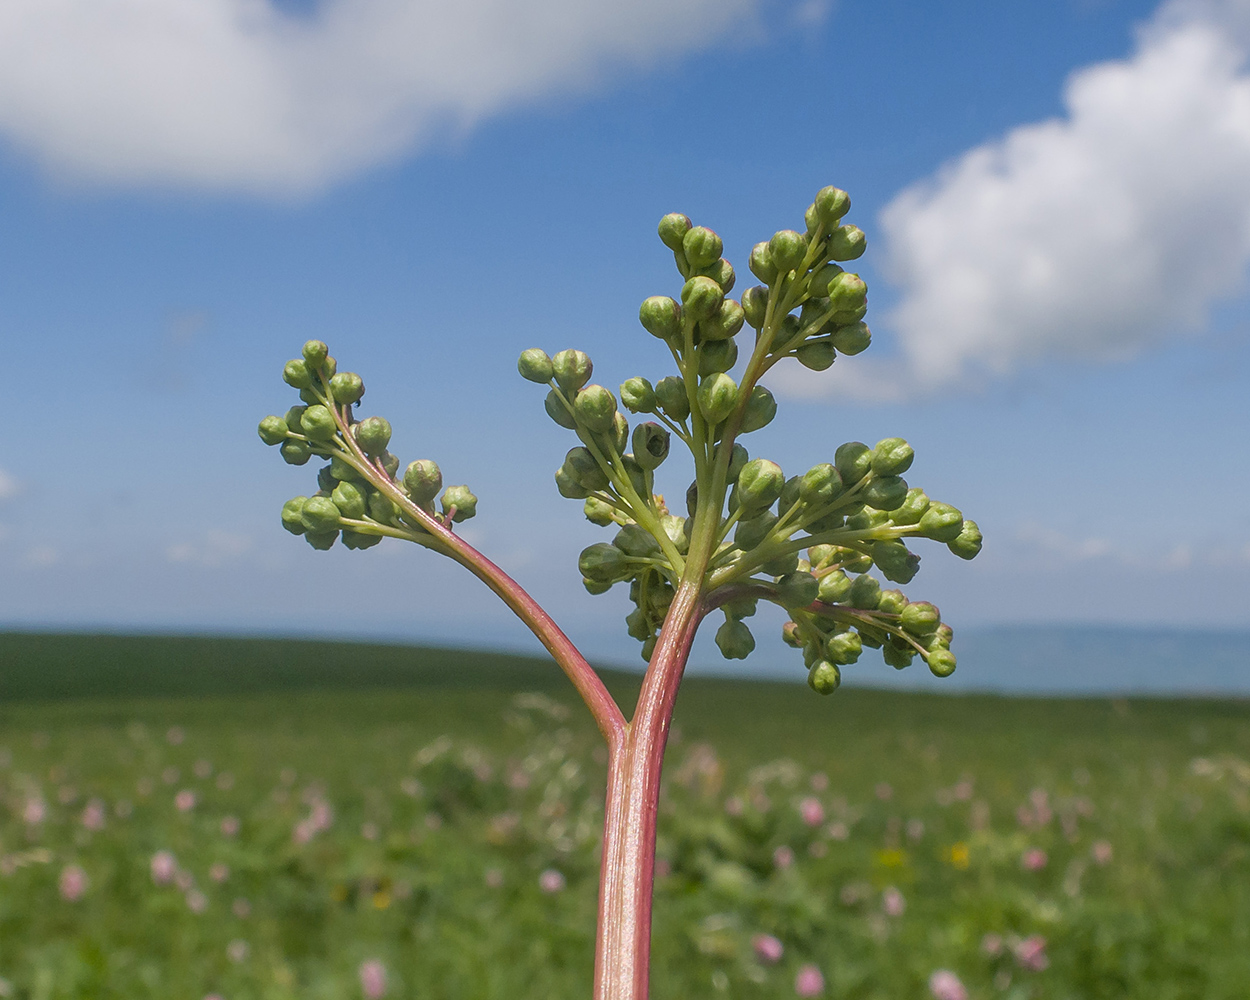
{"x":1056,"y":195}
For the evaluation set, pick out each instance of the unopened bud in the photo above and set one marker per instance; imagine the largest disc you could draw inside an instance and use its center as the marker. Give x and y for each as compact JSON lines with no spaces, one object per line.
{"x":638,"y":395}
{"x":291,"y":515}
{"x":834,"y":587}
{"x":390,"y":463}
{"x":885,"y":493}
{"x":596,"y":587}
{"x":920,"y":618}
{"x":321,"y":540}
{"x":796,"y":590}
{"x":941,"y":522}
{"x":853,"y":461}
{"x":636,"y":541}
{"x":755,"y":306}
{"x":787,"y":250}
{"x":896,"y":562}
{"x":661,"y":317}
{"x":820,"y":484}
{"x":571,"y":370}
{"x":350,"y":500}
{"x":272,"y":430}
{"x":846,"y":243}
{"x":309,"y":396}
{"x":818,"y":355}
{"x":382,"y":509}
{"x":341,"y":470}
{"x":892,"y":602}
{"x":596,"y":408}
{"x":461,"y":500}
{"x":759,"y":484}
{"x":725,"y":323}
{"x":844,"y":647}
{"x":670,"y":393}
{"x":373,"y":434}
{"x":318,"y":423}
{"x":865,"y":593}
{"x":750,"y":532}
{"x":717,"y":356}
{"x":718,"y":395}
{"x":941,"y":662}
{"x":759,"y":411}
{"x":637,"y":476}
{"x":818,"y":286}
{"x":912,"y":508}
{"x":601,"y":562}
{"x":892,"y":457}
{"x":824,"y":677}
{"x":968,"y":542}
{"x":360,"y":540}
{"x":761,"y":263}
{"x":821,"y":556}
{"x":582,"y":468}
{"x":701,"y":298}
{"x":790,"y":493}
{"x":558,"y":411}
{"x":673,"y":228}
{"x":598,"y":512}
{"x":648,"y":648}
{"x":295,"y":452}
{"x":346,"y":387}
{"x":831,"y":204}
{"x":782,"y":565}
{"x":847,"y":291}
{"x":617,"y":438}
{"x":315,"y":354}
{"x":790,"y":634}
{"x":897,"y":656}
{"x":722,"y":272}
{"x":735,"y":640}
{"x":423,"y":479}
{"x":852,"y":338}
{"x":790,"y":333}
{"x":535,"y":365}
{"x":701,"y":246}
{"x":296,"y":374}
{"x":569,"y":487}
{"x":651,"y":443}
{"x":737,"y":459}
{"x":319,"y":515}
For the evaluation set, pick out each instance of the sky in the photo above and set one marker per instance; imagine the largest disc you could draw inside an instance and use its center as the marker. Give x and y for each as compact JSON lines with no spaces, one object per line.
{"x":1056,"y":196}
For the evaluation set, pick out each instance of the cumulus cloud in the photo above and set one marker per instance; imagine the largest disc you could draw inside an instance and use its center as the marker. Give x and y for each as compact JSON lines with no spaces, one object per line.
{"x":237,"y":94}
{"x":1087,"y":237}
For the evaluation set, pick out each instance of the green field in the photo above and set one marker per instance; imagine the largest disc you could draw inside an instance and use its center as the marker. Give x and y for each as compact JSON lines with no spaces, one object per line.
{"x":326,"y":805}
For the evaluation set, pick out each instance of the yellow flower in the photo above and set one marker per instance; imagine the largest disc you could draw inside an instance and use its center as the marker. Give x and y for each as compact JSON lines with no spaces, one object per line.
{"x":959,"y":856}
{"x":891,"y":858}
{"x":381,"y":899}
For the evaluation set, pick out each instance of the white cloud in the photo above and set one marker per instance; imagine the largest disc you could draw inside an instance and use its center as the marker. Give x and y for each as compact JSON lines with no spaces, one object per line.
{"x":9,"y":487}
{"x":236,"y":94}
{"x":214,"y":549}
{"x":1088,"y":237}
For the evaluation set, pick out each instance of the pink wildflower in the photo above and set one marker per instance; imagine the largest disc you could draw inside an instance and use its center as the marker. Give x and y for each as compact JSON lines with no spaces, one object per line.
{"x":229,"y":826}
{"x":93,"y":815}
{"x":809,"y":982}
{"x":1034,"y":860}
{"x":164,"y":867}
{"x":1031,"y":953}
{"x":992,"y":945}
{"x":175,"y":735}
{"x":73,"y":883}
{"x":884,"y":791}
{"x":373,"y":979}
{"x":893,"y":903}
{"x":33,"y":812}
{"x":768,"y":949}
{"x":238,"y":950}
{"x":1101,"y":852}
{"x":197,"y":902}
{"x":219,"y":872}
{"x":838,"y":831}
{"x":551,"y":881}
{"x":783,"y":857}
{"x":185,"y":800}
{"x":203,"y":768}
{"x":945,"y":985}
{"x":812,"y":811}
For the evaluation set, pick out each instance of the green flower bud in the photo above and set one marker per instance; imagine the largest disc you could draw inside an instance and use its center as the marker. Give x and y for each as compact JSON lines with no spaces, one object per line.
{"x":847,"y":317}
{"x":896,"y":562}
{"x":717,"y":356}
{"x":315,"y":354}
{"x":920,"y":618}
{"x":759,"y":411}
{"x":744,"y":607}
{"x":293,"y":417}
{"x":790,"y":493}
{"x":818,"y":285}
{"x":912,"y":508}
{"x":722,"y":272}
{"x":885,"y":492}
{"x":812,"y":651}
{"x":821,"y":556}
{"x":892,"y":457}
{"x":328,"y":368}
{"x":350,"y":500}
{"x":851,"y":339}
{"x":701,"y":246}
{"x":853,"y":461}
{"x":673,"y":228}
{"x":941,"y":522}
{"x":638,"y":395}
{"x":831,"y":204}
{"x":296,"y":374}
{"x":847,"y":291}
{"x":790,"y":334}
{"x":865,"y":593}
{"x":867,"y":517}
{"x":571,"y":370}
{"x":735,"y":640}
{"x":782,"y":565}
{"x":318,"y":423}
{"x":291,"y":511}
{"x":677,"y":530}
{"x":595,"y":588}
{"x":892,"y":602}
{"x":651,"y":443}
{"x":648,"y":648}
{"x":844,"y":647}
{"x":636,"y":541}
{"x":811,"y":219}
{"x":272,"y":430}
{"x":319,"y":515}
{"x":968,"y":542}
{"x":360,"y":540}
{"x":463,"y":501}
{"x":818,"y":355}
{"x":558,"y":412}
{"x":602,"y":562}
{"x":820,"y":484}
{"x":718,"y":395}
{"x":941,"y":638}
{"x":595,"y":407}
{"x":321,"y":540}
{"x":824,"y":677}
{"x":568,"y":486}
{"x":661,"y":317}
{"x":790,"y":635}
{"x":670,"y":393}
{"x":309,"y":396}
{"x":598,"y":512}
{"x":382,"y":509}
{"x":834,"y":587}
{"x":751,"y":532}
{"x":846,"y":243}
{"x":346,"y":387}
{"x":535,"y":365}
{"x":582,"y":468}
{"x":942,"y":663}
{"x":692,"y":498}
{"x":737,"y":459}
{"x":797,"y":590}
{"x":423,"y":479}
{"x":295,"y":452}
{"x":373,"y":434}
{"x":701,"y":298}
{"x":340,"y":470}
{"x":759,"y":484}
{"x":725,"y":323}
{"x":787,"y":250}
{"x":390,"y":463}
{"x":618,"y":437}
{"x":761,"y":263}
{"x":755,"y":306}
{"x":638,"y":625}
{"x":898,"y":657}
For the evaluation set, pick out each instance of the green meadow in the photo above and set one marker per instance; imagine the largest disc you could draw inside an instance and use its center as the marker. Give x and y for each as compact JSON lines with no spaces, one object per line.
{"x":186,"y":818}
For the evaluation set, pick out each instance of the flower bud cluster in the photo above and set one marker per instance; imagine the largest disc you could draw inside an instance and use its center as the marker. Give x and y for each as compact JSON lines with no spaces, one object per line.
{"x":357,"y":489}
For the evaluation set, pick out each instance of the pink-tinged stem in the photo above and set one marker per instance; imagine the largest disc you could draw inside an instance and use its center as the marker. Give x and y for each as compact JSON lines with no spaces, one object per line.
{"x":627,"y":878}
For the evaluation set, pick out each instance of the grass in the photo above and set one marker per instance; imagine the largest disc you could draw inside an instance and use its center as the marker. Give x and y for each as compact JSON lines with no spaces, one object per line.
{"x":438,"y":811}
